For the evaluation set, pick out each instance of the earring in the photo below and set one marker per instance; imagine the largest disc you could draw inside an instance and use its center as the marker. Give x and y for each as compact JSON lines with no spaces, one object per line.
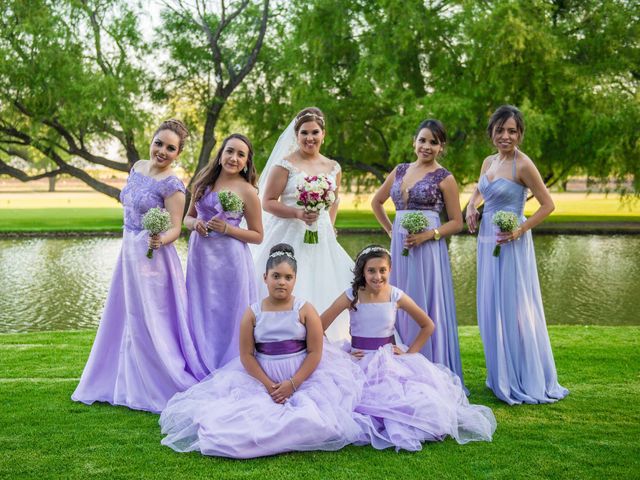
{"x":244,"y":170}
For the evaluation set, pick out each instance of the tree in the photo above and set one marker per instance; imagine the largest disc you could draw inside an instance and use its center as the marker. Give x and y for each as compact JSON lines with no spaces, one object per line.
{"x":379,"y":67}
{"x":70,"y":80}
{"x":77,"y":74}
{"x":211,"y":53}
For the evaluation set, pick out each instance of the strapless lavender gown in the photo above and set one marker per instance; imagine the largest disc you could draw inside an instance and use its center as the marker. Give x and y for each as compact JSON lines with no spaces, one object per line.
{"x":425,"y":275}
{"x":407,"y":399}
{"x":143,"y":352}
{"x":520,"y":365}
{"x":221,"y":283}
{"x":230,"y":414}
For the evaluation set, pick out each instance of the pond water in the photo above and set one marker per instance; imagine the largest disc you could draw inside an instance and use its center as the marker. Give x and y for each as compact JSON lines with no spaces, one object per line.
{"x":61,"y":283}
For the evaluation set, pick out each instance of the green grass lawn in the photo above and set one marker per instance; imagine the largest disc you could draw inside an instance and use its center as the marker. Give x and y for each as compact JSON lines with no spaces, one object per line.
{"x":110,"y":220}
{"x":593,"y":433}
{"x":61,"y":220}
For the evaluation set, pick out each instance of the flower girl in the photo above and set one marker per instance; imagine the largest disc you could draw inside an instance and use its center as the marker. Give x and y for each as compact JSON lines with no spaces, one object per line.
{"x":406,"y":398}
{"x":281,"y":394}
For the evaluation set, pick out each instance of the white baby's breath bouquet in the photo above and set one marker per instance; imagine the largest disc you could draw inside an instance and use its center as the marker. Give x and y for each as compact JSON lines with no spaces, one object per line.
{"x":155,"y":221}
{"x":506,"y":222}
{"x":414,"y":222}
{"x":231,"y":203}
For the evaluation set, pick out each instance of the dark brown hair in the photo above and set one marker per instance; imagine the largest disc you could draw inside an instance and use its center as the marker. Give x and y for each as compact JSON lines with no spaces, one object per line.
{"x":278,"y":259}
{"x":310,"y":114}
{"x":209,"y":174}
{"x":501,"y":115}
{"x":177,"y":127}
{"x":376,"y":251}
{"x":436,"y":127}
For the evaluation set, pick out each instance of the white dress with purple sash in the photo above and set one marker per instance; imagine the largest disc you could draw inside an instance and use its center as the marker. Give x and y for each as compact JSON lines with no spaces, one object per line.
{"x":406,"y":398}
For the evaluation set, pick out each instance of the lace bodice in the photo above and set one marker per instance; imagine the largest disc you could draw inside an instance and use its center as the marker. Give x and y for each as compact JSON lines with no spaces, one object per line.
{"x":142,"y":193}
{"x":374,"y":320}
{"x":278,"y":326}
{"x":289,"y":195}
{"x":425,"y":194}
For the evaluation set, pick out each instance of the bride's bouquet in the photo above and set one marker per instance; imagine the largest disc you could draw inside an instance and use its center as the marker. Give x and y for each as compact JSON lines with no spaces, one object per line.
{"x":506,"y":222}
{"x":156,"y":220}
{"x":414,"y":222}
{"x":315,"y":193}
{"x":232,"y":204}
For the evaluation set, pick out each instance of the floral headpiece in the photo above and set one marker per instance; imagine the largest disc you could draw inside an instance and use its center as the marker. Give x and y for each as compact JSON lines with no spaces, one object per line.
{"x":280,"y":253}
{"x":373,"y":249}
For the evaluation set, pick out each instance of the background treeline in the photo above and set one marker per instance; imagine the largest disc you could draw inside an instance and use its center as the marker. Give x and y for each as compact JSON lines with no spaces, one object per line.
{"x":78,"y":75}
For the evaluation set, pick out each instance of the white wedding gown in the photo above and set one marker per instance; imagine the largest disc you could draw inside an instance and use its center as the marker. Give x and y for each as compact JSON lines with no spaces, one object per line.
{"x":324,"y":269}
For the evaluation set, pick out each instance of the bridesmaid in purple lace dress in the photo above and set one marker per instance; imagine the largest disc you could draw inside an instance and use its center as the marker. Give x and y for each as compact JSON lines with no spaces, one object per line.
{"x":520,"y":364}
{"x":143,"y":352}
{"x":221,"y":280}
{"x":425,"y":274}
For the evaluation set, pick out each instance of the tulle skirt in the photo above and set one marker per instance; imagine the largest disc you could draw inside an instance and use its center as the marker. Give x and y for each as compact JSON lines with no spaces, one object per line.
{"x":230,"y":414}
{"x":409,"y":400}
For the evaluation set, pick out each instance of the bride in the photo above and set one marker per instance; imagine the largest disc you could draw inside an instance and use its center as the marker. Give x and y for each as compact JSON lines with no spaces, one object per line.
{"x":324,"y":269}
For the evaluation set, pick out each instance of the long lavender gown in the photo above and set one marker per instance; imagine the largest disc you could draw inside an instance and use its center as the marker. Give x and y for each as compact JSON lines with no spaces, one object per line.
{"x":406,"y":398}
{"x":230,"y":414}
{"x":221,"y":282}
{"x":425,"y":274}
{"x":143,"y":352}
{"x":520,"y":365}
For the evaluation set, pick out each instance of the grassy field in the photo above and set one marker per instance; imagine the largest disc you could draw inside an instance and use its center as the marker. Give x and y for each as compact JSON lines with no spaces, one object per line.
{"x":593,"y":433}
{"x":93,"y":212}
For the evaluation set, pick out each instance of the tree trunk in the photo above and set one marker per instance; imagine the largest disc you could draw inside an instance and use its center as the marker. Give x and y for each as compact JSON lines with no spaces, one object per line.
{"x":52,"y":184}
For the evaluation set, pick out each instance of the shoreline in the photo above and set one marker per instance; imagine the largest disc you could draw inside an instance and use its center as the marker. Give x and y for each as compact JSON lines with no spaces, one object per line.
{"x":550,"y":228}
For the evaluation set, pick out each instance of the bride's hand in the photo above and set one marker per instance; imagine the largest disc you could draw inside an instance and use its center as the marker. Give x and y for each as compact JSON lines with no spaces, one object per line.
{"x":307,"y":217}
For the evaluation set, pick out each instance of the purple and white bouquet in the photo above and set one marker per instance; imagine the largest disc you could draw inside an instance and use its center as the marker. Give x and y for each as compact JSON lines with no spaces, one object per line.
{"x":156,"y":220}
{"x":315,"y":193}
{"x":506,"y":222}
{"x":414,"y":222}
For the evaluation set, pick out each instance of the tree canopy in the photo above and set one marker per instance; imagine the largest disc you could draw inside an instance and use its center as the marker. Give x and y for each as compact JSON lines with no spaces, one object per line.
{"x":75,"y":74}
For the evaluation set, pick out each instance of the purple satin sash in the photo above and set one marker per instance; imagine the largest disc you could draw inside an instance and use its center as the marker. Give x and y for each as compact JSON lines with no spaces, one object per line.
{"x":370,"y":343}
{"x":281,"y":348}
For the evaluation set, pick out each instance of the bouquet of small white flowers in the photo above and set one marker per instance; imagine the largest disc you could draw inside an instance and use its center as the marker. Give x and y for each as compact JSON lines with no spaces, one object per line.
{"x":506,"y":222}
{"x":232,"y":204}
{"x":315,"y":193}
{"x":414,"y":222}
{"x":156,"y":220}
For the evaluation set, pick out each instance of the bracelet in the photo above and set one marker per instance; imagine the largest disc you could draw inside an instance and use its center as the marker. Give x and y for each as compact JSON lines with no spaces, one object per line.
{"x":293,"y":384}
{"x":224,"y":232}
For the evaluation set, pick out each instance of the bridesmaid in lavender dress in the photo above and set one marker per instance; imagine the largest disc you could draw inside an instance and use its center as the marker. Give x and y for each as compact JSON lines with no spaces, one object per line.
{"x":143,"y":352}
{"x":220,"y":274}
{"x":284,"y":393}
{"x":425,"y":274}
{"x":520,"y":365}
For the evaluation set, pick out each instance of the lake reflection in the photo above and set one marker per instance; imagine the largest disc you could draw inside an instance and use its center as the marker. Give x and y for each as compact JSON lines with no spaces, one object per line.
{"x":61,"y":283}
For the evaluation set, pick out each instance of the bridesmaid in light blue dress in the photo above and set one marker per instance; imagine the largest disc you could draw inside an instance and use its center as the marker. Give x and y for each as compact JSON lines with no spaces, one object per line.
{"x":520,"y":364}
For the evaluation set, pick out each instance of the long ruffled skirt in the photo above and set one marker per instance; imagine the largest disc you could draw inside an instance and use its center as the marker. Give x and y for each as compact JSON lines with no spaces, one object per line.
{"x":408,"y":400}
{"x":230,"y":414}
